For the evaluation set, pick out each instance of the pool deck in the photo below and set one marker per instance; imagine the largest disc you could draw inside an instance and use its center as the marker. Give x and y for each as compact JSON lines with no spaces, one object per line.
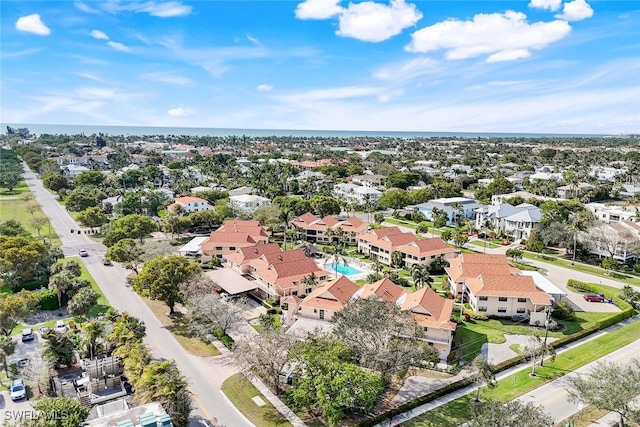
{"x":356,"y":264}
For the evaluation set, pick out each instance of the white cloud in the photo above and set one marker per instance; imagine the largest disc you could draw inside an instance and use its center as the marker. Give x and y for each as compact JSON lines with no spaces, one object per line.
{"x":264,"y":88}
{"x":504,"y":37}
{"x":551,"y":5}
{"x":576,"y":10}
{"x":409,"y":70}
{"x":180,"y":112}
{"x":318,"y":9}
{"x":99,"y":35}
{"x":374,"y":22}
{"x":167,"y":77}
{"x":118,"y":46}
{"x":85,"y":8}
{"x":90,"y":76}
{"x":253,"y":40}
{"x":165,"y":10}
{"x":32,"y":24}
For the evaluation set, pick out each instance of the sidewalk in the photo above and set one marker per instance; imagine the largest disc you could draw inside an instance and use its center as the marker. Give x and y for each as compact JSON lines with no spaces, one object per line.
{"x":262,"y":388}
{"x":398,"y":419}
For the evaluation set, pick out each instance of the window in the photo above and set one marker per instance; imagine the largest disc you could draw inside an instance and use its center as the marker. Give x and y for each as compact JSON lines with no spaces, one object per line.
{"x":502,"y":309}
{"x":482,"y":309}
{"x":430,"y":344}
{"x":315,"y":310}
{"x":522,"y":300}
{"x":521,"y":311}
{"x":483,"y":298}
{"x":294,"y":293}
{"x":502,"y":299}
{"x":308,"y":290}
{"x":232,"y":248}
{"x":218,"y":248}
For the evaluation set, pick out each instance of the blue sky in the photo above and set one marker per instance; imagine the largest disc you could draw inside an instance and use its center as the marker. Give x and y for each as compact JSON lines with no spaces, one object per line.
{"x":543,"y":66}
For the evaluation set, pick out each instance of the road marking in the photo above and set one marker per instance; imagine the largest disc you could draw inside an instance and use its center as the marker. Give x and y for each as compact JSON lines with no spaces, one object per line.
{"x":201,"y":406}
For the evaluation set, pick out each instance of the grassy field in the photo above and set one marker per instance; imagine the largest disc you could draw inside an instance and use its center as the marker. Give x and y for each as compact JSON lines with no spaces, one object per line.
{"x":14,"y":206}
{"x":21,"y":188}
{"x":178,"y":329}
{"x":239,"y":390}
{"x":458,"y":411}
{"x":473,"y":334}
{"x":482,"y":244}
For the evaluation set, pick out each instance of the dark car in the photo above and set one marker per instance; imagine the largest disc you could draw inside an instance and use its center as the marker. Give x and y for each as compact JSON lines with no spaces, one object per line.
{"x":594,"y":298}
{"x":27,"y":335}
{"x":106,"y":261}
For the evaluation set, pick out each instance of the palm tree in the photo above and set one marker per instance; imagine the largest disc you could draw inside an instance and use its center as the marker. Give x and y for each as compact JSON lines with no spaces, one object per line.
{"x":92,"y":332}
{"x":7,"y":347}
{"x":310,"y":281}
{"x":336,"y":257}
{"x":285,"y":218}
{"x":61,"y":283}
{"x":578,"y":222}
{"x":397,"y":258}
{"x":420,"y":275}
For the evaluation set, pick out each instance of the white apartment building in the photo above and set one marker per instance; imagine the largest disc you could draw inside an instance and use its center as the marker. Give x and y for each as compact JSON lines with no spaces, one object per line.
{"x":609,"y":213}
{"x":357,"y":193}
{"x":453,"y":206}
{"x":517,"y":221}
{"x":248,"y":202}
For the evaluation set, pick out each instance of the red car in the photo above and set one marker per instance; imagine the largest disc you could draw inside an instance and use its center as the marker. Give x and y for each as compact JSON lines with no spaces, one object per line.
{"x":593,"y":298}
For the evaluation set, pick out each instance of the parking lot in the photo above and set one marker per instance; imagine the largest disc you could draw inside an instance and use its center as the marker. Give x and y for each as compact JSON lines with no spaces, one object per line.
{"x":580,"y":304}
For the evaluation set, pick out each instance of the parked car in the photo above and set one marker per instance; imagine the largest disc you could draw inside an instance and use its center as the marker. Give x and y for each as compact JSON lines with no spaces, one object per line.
{"x":593,"y":298}
{"x":27,"y":335}
{"x":60,"y":326}
{"x":225,"y":296}
{"x":106,"y":261}
{"x":18,"y":391}
{"x":83,"y":253}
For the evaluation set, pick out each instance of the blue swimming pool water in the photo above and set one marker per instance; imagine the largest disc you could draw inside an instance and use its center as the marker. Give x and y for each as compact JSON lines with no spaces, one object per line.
{"x":342,"y":269}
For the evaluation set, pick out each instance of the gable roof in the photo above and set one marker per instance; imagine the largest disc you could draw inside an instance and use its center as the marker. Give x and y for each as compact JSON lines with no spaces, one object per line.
{"x":221,"y":238}
{"x":384,"y":289}
{"x":471,"y":265}
{"x":253,"y":252}
{"x":332,"y":295}
{"x":508,"y":286}
{"x":189,"y":199}
{"x":309,"y":221}
{"x":429,"y":309}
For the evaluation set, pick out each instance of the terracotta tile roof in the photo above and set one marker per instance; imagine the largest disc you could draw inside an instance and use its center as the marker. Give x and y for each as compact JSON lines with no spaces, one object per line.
{"x":248,"y":253}
{"x":224,"y":239}
{"x":188,"y":199}
{"x":334,"y":294}
{"x":427,"y":247}
{"x":267,"y":259}
{"x":286,"y":274}
{"x":384,"y":289}
{"x":429,"y":309}
{"x":508,"y":286}
{"x":472,"y":265}
{"x":308,"y":221}
{"x":253,"y":228}
{"x":305,"y":219}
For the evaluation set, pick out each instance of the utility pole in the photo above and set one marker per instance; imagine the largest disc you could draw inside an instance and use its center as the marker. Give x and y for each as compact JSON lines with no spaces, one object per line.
{"x":546,"y":333}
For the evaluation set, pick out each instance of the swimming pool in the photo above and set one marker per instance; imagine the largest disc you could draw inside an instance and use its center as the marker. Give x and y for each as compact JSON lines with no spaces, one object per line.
{"x":342,"y":269}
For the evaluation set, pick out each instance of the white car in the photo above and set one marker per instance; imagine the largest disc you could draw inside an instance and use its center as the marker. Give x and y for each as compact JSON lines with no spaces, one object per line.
{"x":18,"y":391}
{"x":60,"y":326}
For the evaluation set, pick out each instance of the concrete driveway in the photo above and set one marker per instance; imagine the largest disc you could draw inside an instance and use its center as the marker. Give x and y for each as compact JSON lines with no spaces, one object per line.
{"x":11,"y":411}
{"x":580,"y":304}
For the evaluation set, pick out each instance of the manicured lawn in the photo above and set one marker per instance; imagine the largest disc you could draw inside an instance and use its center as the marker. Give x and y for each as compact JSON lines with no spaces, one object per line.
{"x":585,"y":417}
{"x":19,"y":189}
{"x":481,"y":244}
{"x":178,"y":329}
{"x":14,"y":207}
{"x":473,"y":334}
{"x":240,"y":391}
{"x":585,"y":268}
{"x":458,"y":411}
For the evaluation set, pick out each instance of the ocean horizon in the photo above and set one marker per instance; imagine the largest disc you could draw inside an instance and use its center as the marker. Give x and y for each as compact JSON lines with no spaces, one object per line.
{"x":40,"y":129}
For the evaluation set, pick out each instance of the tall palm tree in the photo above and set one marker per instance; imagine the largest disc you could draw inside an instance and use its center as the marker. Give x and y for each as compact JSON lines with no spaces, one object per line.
{"x":578,"y":222}
{"x":284,"y":217}
{"x":396,"y":259}
{"x":420,"y":275}
{"x":7,"y":347}
{"x":336,"y":257}
{"x":92,"y":332}
{"x":61,"y":283}
{"x":310,"y":281}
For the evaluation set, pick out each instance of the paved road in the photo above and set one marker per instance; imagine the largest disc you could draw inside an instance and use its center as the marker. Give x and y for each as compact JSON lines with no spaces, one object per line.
{"x":205,"y":375}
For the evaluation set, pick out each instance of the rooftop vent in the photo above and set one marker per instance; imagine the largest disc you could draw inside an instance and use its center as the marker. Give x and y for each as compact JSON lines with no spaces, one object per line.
{"x":148,"y":420}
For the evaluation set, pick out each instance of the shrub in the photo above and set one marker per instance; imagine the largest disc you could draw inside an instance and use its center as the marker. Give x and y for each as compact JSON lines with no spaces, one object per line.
{"x":636,"y":268}
{"x":48,"y":300}
{"x":31,"y":286}
{"x":227,"y":341}
{"x":563,"y":310}
{"x":474,"y":315}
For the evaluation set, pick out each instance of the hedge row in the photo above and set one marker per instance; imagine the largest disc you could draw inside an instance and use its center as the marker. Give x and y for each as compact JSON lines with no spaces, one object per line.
{"x":626,"y":310}
{"x":48,"y":300}
{"x":450,"y":388}
{"x":224,"y":338}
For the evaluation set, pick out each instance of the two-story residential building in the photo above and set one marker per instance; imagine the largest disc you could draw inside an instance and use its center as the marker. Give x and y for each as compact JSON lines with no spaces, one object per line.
{"x":233,"y":235}
{"x":610,"y":213}
{"x":276,"y":273}
{"x":456,"y":208}
{"x":315,"y":229}
{"x":358,"y":194}
{"x":618,"y":240}
{"x":189,"y":204}
{"x":248,"y":202}
{"x":379,"y":244}
{"x":494,"y":287}
{"x":517,"y":221}
{"x":371,"y":180}
{"x":574,"y":191}
{"x":429,"y":310}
